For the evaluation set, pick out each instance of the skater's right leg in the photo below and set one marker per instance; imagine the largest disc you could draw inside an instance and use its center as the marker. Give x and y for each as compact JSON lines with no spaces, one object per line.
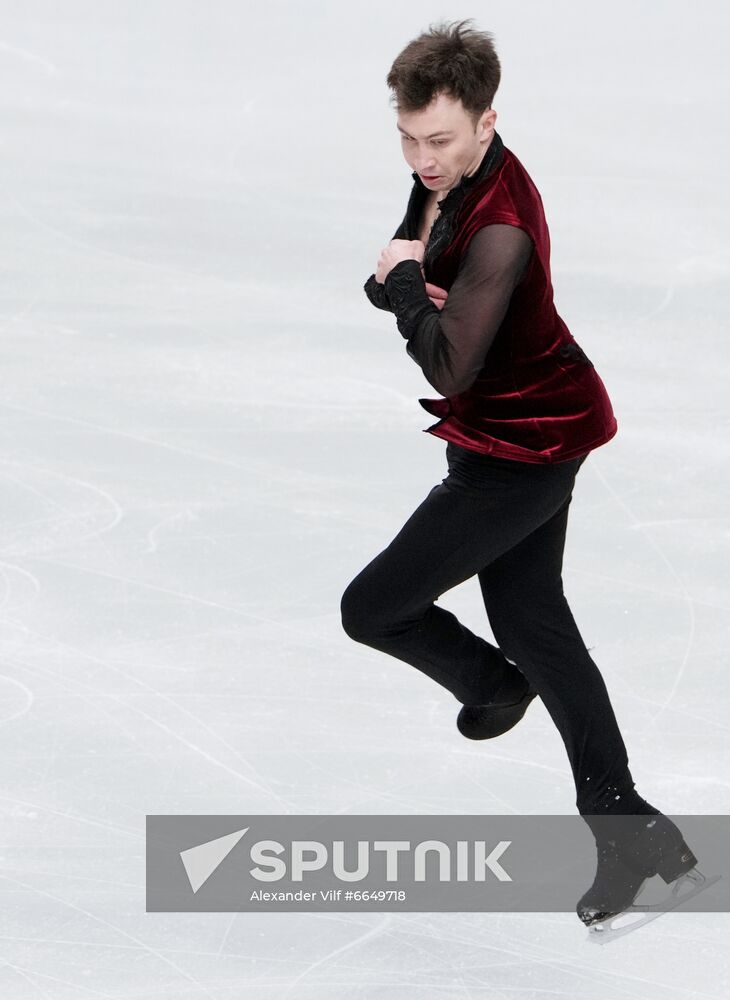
{"x":483,"y":508}
{"x":390,"y":604}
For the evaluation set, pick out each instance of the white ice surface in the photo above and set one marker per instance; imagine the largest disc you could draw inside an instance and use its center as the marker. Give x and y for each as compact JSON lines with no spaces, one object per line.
{"x":207,"y":431}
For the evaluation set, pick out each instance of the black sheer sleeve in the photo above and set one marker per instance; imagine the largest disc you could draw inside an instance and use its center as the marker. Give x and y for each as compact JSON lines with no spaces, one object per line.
{"x":451,"y":344}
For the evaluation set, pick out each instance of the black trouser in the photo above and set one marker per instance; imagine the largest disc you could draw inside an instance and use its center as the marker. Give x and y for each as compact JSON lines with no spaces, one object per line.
{"x":505,"y":522}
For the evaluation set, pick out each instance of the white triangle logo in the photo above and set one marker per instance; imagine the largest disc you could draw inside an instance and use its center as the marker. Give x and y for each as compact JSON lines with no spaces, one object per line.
{"x":201,"y":861}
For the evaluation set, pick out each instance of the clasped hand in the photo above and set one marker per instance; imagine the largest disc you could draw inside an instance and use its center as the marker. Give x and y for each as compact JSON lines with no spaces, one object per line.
{"x":398,"y":250}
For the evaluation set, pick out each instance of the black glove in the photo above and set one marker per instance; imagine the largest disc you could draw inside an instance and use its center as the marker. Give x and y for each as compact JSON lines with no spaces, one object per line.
{"x":406,"y":291}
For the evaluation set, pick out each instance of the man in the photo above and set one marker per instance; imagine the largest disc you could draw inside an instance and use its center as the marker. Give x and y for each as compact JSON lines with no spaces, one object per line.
{"x":467,"y":276}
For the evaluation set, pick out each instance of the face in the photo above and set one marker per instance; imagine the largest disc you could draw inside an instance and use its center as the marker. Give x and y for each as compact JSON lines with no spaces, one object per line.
{"x":440,"y":143}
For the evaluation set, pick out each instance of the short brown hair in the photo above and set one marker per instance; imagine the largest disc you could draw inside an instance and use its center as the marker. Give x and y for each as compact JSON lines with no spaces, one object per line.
{"x":460,"y":62}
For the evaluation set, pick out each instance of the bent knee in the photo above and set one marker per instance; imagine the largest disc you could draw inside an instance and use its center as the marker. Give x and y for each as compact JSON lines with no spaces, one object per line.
{"x":365,"y":617}
{"x":356,"y":621}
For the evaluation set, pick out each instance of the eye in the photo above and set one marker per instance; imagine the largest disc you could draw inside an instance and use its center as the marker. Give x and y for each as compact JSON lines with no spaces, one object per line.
{"x":436,"y":142}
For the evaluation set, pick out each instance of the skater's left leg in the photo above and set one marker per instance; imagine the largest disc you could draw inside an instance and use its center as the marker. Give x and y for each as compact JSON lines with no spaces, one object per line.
{"x":534,"y":626}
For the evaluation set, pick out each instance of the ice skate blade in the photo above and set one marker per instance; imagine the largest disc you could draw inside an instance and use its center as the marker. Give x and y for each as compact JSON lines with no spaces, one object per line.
{"x":685,"y":887}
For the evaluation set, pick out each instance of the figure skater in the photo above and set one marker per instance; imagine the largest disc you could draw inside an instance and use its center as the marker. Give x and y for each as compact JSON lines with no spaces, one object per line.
{"x":467,"y":277}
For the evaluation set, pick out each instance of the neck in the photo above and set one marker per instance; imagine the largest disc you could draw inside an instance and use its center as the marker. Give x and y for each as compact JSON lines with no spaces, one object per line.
{"x":482,"y":154}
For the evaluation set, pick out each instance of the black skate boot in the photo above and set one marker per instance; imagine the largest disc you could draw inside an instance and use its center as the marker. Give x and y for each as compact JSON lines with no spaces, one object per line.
{"x":502,"y":712}
{"x":630,"y":850}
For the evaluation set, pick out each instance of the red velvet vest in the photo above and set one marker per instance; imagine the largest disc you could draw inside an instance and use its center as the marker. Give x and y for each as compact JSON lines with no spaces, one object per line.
{"x":538,"y":398}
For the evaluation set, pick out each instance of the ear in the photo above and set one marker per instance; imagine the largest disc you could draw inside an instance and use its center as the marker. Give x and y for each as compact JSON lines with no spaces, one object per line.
{"x":486,"y":122}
